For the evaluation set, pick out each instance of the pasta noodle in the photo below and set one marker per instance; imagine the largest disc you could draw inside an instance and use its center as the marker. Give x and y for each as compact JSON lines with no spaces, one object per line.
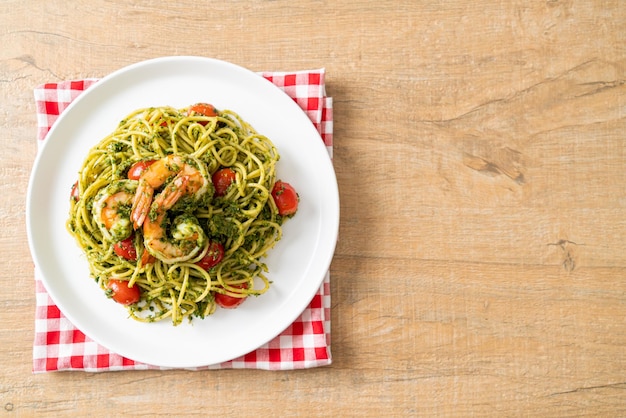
{"x":184,"y":217}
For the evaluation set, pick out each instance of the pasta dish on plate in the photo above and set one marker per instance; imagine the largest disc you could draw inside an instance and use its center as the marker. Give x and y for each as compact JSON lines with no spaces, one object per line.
{"x":176,"y":209}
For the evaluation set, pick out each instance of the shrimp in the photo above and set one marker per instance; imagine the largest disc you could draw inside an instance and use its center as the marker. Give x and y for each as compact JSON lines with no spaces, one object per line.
{"x":189,"y":178}
{"x":187,"y":239}
{"x":111,"y":210}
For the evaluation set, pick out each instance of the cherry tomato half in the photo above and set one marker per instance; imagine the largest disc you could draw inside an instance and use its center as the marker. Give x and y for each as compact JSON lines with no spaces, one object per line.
{"x":203,"y":109}
{"x":222,"y":179}
{"x":119,"y":291}
{"x":74,"y":194}
{"x":285,"y":197}
{"x":213,"y":256}
{"x":126,"y":249}
{"x":230,"y":302}
{"x":135,"y":170}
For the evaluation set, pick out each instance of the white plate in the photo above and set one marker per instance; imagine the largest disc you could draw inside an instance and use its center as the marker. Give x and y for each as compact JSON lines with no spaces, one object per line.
{"x":297,"y":265}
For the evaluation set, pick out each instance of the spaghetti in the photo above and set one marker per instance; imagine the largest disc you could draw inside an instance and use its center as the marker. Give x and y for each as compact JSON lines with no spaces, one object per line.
{"x":150,"y":211}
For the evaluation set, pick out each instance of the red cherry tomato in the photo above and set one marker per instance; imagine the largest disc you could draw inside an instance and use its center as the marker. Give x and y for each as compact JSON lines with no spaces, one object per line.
{"x":213,"y":256}
{"x":74,"y":194}
{"x":135,"y":170}
{"x":119,"y":291}
{"x":126,"y":249}
{"x":285,"y":197}
{"x":222,"y":179}
{"x":203,"y":109}
{"x":230,"y":302}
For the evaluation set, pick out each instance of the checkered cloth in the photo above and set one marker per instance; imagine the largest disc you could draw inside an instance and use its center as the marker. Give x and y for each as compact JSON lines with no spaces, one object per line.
{"x":59,"y":345}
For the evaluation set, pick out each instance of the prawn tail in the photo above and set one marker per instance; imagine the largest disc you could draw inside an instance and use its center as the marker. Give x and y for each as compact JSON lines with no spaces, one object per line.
{"x":172,"y":193}
{"x":141,"y":205}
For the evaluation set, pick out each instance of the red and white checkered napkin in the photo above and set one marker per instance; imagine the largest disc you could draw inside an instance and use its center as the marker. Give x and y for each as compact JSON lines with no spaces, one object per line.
{"x":59,"y":345}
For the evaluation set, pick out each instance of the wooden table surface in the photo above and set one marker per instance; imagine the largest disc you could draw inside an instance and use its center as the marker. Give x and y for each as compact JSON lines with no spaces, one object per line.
{"x":480,"y":154}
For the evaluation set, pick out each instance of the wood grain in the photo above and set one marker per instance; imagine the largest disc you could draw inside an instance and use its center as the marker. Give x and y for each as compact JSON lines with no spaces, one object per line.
{"x":480,"y":153}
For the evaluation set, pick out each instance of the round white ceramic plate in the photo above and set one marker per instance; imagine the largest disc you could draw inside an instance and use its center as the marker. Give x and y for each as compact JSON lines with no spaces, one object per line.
{"x":297,"y":265}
